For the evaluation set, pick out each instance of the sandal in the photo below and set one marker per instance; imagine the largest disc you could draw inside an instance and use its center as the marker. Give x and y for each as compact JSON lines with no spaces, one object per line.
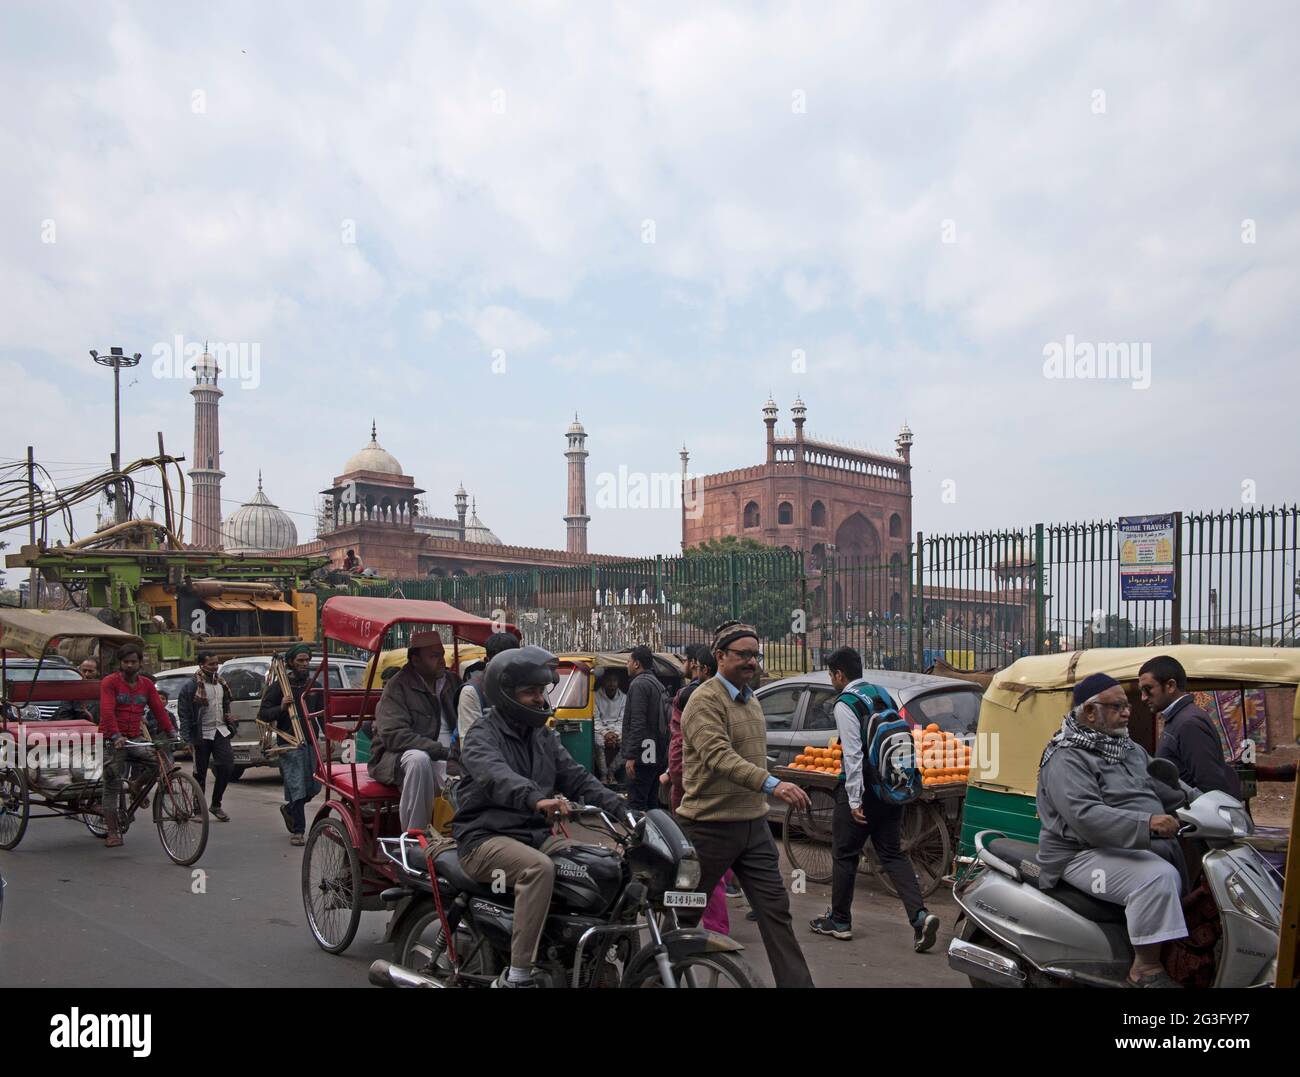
{"x":1159,"y":978}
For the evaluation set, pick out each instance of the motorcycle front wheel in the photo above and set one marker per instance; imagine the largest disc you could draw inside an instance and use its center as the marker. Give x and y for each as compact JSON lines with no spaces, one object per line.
{"x":698,"y":970}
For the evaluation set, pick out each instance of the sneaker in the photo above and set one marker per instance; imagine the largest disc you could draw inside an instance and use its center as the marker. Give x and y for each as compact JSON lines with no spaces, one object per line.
{"x":503,"y":980}
{"x":287,"y":817}
{"x":734,"y":891}
{"x":925,"y":929}
{"x":824,"y":925}
{"x":751,"y":916}
{"x":297,"y":839}
{"x":217,"y":813}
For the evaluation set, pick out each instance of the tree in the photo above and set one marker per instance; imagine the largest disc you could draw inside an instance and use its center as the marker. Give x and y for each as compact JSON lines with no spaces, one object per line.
{"x":738,"y":578}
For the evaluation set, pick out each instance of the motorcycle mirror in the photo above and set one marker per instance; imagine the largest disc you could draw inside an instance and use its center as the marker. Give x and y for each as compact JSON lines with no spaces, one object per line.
{"x":1163,"y":771}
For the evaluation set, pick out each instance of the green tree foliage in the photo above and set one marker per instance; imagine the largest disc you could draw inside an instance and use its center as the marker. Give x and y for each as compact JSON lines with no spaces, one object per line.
{"x":738,"y":577}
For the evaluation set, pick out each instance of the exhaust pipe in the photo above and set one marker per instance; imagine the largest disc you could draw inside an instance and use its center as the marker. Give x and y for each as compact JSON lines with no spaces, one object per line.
{"x":982,"y":964}
{"x":386,"y":974}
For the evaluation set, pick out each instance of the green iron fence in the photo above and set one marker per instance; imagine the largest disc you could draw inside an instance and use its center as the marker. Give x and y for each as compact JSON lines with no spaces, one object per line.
{"x":974,"y":601}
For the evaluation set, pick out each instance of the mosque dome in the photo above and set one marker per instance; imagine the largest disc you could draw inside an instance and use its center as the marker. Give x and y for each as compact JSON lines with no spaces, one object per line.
{"x":258,"y":526}
{"x":373,"y":458}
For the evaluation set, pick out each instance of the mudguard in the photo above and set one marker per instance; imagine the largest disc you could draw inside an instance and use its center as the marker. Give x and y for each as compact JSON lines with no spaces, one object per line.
{"x":681,"y":943}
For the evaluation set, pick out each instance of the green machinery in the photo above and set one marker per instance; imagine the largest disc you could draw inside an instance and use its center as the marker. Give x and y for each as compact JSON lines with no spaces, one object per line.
{"x":234,"y":604}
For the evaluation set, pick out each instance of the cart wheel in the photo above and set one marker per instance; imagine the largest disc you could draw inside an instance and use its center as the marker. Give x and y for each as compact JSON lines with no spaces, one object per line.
{"x":806,"y":836}
{"x":925,"y":842}
{"x":15,"y":806}
{"x":180,"y":813}
{"x":331,"y":885}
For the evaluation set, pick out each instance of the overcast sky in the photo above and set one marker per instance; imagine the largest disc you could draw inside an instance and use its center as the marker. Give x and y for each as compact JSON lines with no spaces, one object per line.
{"x":468,"y":222}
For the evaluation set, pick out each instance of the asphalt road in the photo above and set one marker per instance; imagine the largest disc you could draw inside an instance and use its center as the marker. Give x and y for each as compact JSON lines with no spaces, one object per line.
{"x":79,"y":915}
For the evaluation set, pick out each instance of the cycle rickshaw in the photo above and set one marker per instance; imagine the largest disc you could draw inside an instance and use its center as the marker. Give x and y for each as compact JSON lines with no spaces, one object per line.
{"x":344,"y":869}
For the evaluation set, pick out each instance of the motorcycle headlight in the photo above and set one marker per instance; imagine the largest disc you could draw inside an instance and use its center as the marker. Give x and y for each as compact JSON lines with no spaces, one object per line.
{"x":688,"y":875}
{"x":1240,"y":822}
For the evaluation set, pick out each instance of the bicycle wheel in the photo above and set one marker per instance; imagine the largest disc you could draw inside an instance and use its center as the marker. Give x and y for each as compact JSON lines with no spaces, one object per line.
{"x":699,"y":970}
{"x":331,"y":885}
{"x":806,"y":836}
{"x":15,"y":807}
{"x":181,"y":814}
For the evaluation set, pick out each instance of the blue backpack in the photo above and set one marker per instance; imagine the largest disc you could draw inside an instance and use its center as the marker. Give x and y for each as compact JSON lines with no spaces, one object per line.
{"x":888,"y":752}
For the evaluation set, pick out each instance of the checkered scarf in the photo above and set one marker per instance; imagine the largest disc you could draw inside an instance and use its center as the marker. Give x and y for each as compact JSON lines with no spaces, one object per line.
{"x":1074,"y":734}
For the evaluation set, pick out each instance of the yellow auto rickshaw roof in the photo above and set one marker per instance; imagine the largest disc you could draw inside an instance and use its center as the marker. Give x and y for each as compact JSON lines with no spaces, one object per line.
{"x":618,"y":659}
{"x":1204,"y":662}
{"x":467,"y":653}
{"x":1027,"y":701}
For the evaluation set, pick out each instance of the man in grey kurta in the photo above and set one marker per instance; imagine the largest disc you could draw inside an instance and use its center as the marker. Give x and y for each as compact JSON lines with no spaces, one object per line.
{"x":413,"y":724}
{"x":1105,"y":830}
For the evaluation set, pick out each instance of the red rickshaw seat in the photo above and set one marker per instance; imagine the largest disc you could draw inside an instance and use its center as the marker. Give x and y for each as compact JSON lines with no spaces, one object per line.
{"x":366,"y":788}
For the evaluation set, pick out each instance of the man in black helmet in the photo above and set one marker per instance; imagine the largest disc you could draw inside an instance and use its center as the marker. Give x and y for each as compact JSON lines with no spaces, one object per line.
{"x":517,"y":780}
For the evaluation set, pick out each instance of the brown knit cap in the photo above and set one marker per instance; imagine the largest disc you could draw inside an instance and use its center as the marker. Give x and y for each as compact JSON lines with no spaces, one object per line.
{"x":729,"y":631}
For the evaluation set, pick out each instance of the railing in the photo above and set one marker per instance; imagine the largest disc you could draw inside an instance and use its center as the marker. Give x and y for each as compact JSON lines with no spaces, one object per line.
{"x":975,"y":601}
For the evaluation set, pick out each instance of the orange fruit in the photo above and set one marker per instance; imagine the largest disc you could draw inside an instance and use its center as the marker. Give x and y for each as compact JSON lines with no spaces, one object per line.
{"x":933,"y":727}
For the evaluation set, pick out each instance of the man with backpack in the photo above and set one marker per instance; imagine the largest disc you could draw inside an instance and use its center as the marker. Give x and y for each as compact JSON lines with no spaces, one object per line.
{"x":645,"y":730}
{"x":869,"y":800}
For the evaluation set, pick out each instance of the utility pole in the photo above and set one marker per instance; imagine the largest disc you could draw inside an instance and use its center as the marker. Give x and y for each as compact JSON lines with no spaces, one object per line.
{"x":33,"y":576}
{"x":117,"y":359}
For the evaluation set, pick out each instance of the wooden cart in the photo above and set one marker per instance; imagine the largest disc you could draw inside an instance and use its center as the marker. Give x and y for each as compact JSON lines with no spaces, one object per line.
{"x":929,"y":823}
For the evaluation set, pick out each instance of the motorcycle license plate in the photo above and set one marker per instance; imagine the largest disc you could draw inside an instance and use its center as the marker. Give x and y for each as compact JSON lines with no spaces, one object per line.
{"x":685,"y":899}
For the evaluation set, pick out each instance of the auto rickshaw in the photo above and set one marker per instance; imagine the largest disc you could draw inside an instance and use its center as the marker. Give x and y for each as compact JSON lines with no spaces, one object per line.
{"x":1026,"y":703}
{"x":574,"y":697}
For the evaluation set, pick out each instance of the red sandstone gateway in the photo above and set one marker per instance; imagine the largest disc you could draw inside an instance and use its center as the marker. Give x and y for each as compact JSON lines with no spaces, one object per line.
{"x":56,"y":766}
{"x":343,"y":868}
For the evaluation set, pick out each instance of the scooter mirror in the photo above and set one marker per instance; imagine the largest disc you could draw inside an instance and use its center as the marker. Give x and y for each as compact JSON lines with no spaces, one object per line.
{"x":1163,"y":771}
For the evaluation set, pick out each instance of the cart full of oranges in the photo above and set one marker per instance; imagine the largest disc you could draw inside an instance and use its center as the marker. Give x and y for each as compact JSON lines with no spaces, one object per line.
{"x":942,"y":757}
{"x":828,"y":760}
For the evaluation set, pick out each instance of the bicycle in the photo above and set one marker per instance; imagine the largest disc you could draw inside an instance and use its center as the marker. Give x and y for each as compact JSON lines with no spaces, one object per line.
{"x":180,"y":811}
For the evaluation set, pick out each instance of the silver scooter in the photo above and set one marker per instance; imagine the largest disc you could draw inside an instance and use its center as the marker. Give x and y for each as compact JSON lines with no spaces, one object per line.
{"x":1014,"y":934}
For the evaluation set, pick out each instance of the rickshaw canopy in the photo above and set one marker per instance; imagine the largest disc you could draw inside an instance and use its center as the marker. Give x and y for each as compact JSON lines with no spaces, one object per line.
{"x":666,"y":663}
{"x":30,"y":631}
{"x":363,"y":622}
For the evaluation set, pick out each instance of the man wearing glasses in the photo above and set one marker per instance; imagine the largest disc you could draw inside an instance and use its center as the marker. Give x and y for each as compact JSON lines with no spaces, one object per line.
{"x":725,"y":785}
{"x":1104,"y":824}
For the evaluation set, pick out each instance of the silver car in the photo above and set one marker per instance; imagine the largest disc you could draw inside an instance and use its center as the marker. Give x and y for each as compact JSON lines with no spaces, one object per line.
{"x":247,"y":678}
{"x":800,"y":710}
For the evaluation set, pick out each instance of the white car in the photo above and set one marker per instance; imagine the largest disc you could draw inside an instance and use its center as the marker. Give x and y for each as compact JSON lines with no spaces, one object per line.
{"x":248,"y":678}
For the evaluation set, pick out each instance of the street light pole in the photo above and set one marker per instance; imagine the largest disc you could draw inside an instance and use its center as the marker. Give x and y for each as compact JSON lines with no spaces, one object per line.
{"x":117,"y":359}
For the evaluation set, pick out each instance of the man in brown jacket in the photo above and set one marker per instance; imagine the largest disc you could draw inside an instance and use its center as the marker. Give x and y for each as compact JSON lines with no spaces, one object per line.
{"x":725,"y":788}
{"x":413,"y":725}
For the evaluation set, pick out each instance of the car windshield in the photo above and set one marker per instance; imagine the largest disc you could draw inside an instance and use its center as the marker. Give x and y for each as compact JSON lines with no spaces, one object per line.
{"x":954,"y":710}
{"x":48,"y":673}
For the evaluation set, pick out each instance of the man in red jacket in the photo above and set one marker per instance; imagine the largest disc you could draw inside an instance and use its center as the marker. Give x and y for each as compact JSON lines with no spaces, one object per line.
{"x":123,"y":697}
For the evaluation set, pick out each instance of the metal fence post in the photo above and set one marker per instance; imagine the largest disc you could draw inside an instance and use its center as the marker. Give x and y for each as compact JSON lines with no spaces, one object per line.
{"x":1040,"y":598}
{"x":1176,"y":606}
{"x":918,"y":655}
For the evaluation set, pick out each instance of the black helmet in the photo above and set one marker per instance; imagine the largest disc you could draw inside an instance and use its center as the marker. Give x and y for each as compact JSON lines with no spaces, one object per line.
{"x":511,"y":670}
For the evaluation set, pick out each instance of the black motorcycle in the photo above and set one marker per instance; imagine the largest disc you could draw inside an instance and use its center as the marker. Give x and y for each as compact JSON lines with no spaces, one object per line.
{"x":603,"y":900}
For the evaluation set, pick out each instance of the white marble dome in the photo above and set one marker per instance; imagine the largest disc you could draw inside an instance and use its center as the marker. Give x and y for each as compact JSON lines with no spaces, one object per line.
{"x":258,"y":526}
{"x":373,"y":458}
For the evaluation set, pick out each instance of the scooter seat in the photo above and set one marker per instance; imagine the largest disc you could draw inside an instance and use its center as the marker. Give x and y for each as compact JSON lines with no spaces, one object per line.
{"x":1021,"y":855}
{"x":449,"y":869}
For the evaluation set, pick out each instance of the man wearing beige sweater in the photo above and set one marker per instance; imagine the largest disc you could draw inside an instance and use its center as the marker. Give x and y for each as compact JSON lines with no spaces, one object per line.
{"x":725,"y":788}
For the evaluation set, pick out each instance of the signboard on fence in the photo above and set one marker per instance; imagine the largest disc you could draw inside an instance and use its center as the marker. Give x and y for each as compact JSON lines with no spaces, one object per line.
{"x":1146,"y":557}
